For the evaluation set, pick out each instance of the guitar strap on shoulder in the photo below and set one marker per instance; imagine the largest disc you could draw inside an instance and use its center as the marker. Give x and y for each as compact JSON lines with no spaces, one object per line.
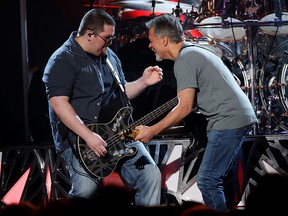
{"x":186,"y":45}
{"x":115,"y":74}
{"x":195,"y":45}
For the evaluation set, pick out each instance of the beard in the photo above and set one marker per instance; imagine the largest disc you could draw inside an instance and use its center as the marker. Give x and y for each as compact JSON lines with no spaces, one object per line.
{"x":158,"y":58}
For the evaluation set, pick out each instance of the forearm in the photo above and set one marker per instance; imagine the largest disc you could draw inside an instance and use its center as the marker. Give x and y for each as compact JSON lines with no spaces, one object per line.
{"x":150,"y":76}
{"x":135,"y":88}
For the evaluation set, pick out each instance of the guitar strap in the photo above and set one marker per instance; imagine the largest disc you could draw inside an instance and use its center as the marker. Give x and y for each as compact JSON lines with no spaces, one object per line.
{"x":115,"y":74}
{"x":195,"y":45}
{"x":116,"y":77}
{"x":186,"y":45}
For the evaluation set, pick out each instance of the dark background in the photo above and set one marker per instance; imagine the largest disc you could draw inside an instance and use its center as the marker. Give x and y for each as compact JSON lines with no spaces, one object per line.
{"x":24,"y":117}
{"x":48,"y":24}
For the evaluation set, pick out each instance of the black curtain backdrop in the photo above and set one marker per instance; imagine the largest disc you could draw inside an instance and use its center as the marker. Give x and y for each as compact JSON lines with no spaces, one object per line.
{"x":12,"y":118}
{"x":49,"y":23}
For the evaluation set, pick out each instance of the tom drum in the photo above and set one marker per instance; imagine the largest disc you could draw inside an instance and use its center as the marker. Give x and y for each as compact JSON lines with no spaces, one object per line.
{"x":273,"y":12}
{"x":218,"y":19}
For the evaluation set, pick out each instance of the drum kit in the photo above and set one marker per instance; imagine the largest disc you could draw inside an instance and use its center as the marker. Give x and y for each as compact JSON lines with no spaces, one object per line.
{"x":251,"y":36}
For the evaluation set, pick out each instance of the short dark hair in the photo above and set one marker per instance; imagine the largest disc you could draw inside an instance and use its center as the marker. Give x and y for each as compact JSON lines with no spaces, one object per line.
{"x":94,"y":20}
{"x":167,"y":25}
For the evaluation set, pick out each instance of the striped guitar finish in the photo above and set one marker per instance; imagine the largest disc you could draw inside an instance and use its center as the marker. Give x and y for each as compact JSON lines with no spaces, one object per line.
{"x":116,"y":133}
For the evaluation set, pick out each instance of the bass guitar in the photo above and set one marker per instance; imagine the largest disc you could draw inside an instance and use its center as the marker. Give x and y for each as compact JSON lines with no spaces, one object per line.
{"x":116,"y":133}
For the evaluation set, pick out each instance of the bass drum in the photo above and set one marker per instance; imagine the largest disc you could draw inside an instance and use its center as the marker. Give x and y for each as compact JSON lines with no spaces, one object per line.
{"x":211,"y":17}
{"x":273,"y":89}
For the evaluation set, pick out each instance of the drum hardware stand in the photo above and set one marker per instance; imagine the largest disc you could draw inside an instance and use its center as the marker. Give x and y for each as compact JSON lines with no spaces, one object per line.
{"x":190,"y":19}
{"x":251,"y":68}
{"x":269,"y":115}
{"x":250,"y":26}
{"x":178,"y":10}
{"x":153,"y":4}
{"x":279,"y":16}
{"x":227,"y":24}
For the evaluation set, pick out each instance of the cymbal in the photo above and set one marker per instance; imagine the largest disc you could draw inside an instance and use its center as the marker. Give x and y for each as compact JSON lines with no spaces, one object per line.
{"x":161,"y":6}
{"x":101,"y":6}
{"x":138,"y":15}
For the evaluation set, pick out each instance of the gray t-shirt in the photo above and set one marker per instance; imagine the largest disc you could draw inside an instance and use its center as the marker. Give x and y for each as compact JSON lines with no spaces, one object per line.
{"x":219,"y":97}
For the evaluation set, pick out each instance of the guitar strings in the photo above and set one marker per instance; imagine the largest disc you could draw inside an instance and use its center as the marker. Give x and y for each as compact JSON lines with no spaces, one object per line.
{"x":146,"y":119}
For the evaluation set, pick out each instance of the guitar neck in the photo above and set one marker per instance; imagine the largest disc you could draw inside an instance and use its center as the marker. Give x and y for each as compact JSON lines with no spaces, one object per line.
{"x":156,"y":113}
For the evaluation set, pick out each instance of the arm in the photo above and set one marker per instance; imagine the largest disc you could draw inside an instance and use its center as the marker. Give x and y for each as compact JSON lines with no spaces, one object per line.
{"x":151,"y":76}
{"x":184,"y":107}
{"x":70,"y":119}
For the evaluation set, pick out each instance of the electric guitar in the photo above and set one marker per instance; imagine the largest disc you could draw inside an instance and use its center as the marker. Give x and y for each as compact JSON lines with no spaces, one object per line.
{"x":115,"y":133}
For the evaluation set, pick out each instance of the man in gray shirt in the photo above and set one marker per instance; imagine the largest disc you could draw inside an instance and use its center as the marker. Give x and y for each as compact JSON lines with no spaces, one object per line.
{"x":202,"y":80}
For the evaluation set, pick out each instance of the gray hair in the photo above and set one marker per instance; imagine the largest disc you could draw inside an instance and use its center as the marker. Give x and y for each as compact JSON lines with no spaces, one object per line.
{"x":167,"y":25}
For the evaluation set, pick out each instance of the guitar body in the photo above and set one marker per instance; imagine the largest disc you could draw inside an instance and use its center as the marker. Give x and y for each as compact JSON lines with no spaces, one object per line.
{"x":116,"y":149}
{"x":115,"y":133}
